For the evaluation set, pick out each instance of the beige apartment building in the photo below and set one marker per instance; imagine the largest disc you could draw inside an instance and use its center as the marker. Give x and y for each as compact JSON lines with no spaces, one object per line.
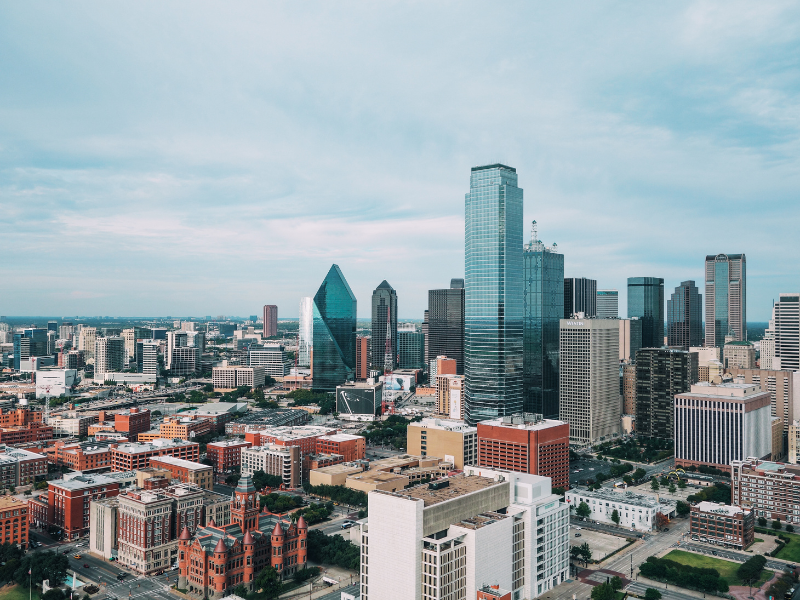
{"x":450,"y":396}
{"x":453,"y":440}
{"x":739,"y":355}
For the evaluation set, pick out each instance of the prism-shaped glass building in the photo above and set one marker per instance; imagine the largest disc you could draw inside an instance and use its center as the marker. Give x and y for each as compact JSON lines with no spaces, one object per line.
{"x":334,"y":332}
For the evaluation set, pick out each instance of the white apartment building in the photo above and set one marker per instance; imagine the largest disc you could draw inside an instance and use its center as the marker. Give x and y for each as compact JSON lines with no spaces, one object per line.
{"x":636,"y":511}
{"x":109,"y":355}
{"x":86,"y":341}
{"x":230,"y":377}
{"x":272,"y":358}
{"x":283,"y":461}
{"x":449,"y":538}
{"x":589,"y":398}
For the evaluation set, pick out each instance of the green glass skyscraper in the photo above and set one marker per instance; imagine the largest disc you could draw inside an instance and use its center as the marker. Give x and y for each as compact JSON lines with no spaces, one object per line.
{"x":646,"y":301}
{"x":493,"y":294}
{"x":334,"y":332}
{"x":544,"y":307}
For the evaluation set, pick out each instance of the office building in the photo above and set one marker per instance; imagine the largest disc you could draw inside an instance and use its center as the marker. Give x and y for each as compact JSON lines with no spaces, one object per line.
{"x":543,"y":289}
{"x":305,"y":335}
{"x":185,"y":471}
{"x":14,"y":522}
{"x":334,"y":332}
{"x":226,"y":455}
{"x":55,"y":382}
{"x":785,"y":333}
{"x":109,"y":355}
{"x":494,"y":294}
{"x":30,"y":343}
{"x":794,"y":442}
{"x":133,"y":456}
{"x":451,"y":538}
{"x":646,"y":302}
{"x":739,"y":355}
{"x":636,"y":511}
{"x":718,"y":424}
{"x":526,"y":443}
{"x":607,"y":304}
{"x":21,"y":467}
{"x":272,"y":358}
{"x":362,"y":357}
{"x":661,"y":374}
{"x":349,"y":447}
{"x":783,"y":388}
{"x":147,"y":357}
{"x":270,"y":316}
{"x":722,"y":524}
{"x":132,"y":422}
{"x":384,"y":314}
{"x":630,"y":339}
{"x":442,"y":365}
{"x":771,"y":489}
{"x":410,"y":347}
{"x":450,"y":396}
{"x":282,"y":461}
{"x":580,"y":297}
{"x":103,"y":528}
{"x":685,"y":317}
{"x":444,"y":324}
{"x":589,"y":398}
{"x":628,"y":389}
{"x":218,"y":558}
{"x":451,"y":440}
{"x":229,"y":377}
{"x":86,"y":341}
{"x":726,"y":298}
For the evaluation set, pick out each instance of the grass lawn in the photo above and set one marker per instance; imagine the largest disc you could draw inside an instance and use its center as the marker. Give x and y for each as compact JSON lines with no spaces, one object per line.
{"x":17,"y":592}
{"x":726,"y":568}
{"x":790,"y":551}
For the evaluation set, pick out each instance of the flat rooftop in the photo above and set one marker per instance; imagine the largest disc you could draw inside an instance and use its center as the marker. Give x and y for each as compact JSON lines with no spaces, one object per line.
{"x":721,"y":509}
{"x":229,"y":444}
{"x":481,"y":520}
{"x":180,"y":462}
{"x":341,"y":468}
{"x":288,"y":433}
{"x":729,"y":391}
{"x":377,"y":477}
{"x":11,"y":502}
{"x":82,"y":482}
{"x":134,"y":448}
{"x":623,"y":498}
{"x":444,"y":425}
{"x":459,"y":485}
{"x":342,"y":437}
{"x":404,"y":461}
{"x":529,"y":422}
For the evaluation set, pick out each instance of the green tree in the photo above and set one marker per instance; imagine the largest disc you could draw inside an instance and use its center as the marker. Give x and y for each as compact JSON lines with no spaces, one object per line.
{"x":672,"y":488}
{"x":652,"y":594}
{"x":269,"y":582}
{"x":789,"y":528}
{"x":604,"y":591}
{"x":752,"y":568}
{"x":616,"y":583}
{"x":682,"y":484}
{"x":776,"y":524}
{"x":615,"y":516}
{"x":583,"y":510}
{"x":586,"y":552}
{"x":664,"y":481}
{"x":639,"y":473}
{"x":654,"y":484}
{"x":682,"y":508}
{"x":762,"y":522}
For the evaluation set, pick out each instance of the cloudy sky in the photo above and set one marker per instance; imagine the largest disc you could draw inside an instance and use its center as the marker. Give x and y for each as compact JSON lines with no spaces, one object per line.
{"x":208,"y":158}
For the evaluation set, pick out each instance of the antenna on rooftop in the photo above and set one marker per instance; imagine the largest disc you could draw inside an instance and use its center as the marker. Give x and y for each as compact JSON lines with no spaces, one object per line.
{"x":534,"y":232}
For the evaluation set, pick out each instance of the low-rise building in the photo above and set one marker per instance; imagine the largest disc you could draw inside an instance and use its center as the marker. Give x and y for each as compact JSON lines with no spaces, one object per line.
{"x":81,"y":456}
{"x":334,"y":474}
{"x":226,"y":455}
{"x":133,"y":456}
{"x":455,"y":441}
{"x":771,"y":489}
{"x":228,"y":377}
{"x":71,"y":425}
{"x":21,"y":467}
{"x":350,"y":447}
{"x":185,"y":471}
{"x":636,"y":511}
{"x":265,"y":419}
{"x":729,"y":526}
{"x":13,"y":522}
{"x":184,"y":428}
{"x":282,"y":461}
{"x":33,"y":432}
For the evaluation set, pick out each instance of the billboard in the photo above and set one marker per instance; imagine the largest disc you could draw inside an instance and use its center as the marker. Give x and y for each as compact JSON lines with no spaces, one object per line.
{"x":352,"y":400}
{"x":399,"y":383}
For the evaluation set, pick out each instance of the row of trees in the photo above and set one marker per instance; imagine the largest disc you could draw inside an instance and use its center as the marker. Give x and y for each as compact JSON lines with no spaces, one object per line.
{"x":663,"y":569}
{"x":280,"y":503}
{"x":325,"y":401}
{"x":268,"y":585}
{"x":333,"y":550}
{"x":776,"y":525}
{"x":14,"y":566}
{"x":719,"y":492}
{"x":337,"y":493}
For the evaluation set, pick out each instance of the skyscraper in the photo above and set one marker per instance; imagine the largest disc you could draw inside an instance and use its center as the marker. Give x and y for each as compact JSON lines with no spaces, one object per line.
{"x":305,"y":332}
{"x":334,"y":332}
{"x":580,"y":296}
{"x":685,"y":317}
{"x":661,"y":373}
{"x":445,"y":323}
{"x":493,"y":295}
{"x":109,"y":355}
{"x":544,"y":306}
{"x":384,"y":298}
{"x":786,"y":332}
{"x":410,"y":347}
{"x":646,"y":301}
{"x":270,"y":321}
{"x":726,"y":298}
{"x":607,"y":304}
{"x":31,"y":342}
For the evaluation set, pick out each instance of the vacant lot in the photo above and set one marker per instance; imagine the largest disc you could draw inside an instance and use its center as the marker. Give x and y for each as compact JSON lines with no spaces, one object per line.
{"x":726,"y":568}
{"x":602,"y":544}
{"x":791,"y":551}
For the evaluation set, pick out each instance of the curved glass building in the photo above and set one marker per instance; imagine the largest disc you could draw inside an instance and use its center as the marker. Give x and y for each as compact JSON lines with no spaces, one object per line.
{"x":334,"y":332}
{"x":493,"y":297}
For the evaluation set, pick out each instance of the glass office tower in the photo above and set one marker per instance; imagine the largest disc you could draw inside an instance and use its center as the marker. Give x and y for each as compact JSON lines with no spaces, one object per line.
{"x":305,"y":332}
{"x":493,"y":295}
{"x":646,"y":301}
{"x":31,"y":342}
{"x":726,"y":298}
{"x":685,"y":317}
{"x":580,"y":296}
{"x":445,"y":324}
{"x":543,"y":308}
{"x":383,"y":298}
{"x":334,"y":332}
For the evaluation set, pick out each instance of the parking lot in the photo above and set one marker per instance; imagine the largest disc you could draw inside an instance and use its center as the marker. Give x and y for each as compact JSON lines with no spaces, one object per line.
{"x":588,"y":467}
{"x":601,"y":544}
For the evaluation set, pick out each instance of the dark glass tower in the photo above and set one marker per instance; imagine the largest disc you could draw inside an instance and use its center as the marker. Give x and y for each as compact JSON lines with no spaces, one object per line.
{"x":726,"y":298}
{"x":685,"y":317}
{"x":544,"y":307}
{"x":660,"y":374}
{"x":383,"y":298}
{"x":493,"y":295}
{"x":646,"y":301}
{"x":31,"y":342}
{"x":446,"y":323}
{"x":334,"y":332}
{"x":580,"y":295}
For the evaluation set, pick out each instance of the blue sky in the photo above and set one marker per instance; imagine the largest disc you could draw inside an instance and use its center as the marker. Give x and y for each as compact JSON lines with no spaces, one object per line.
{"x":208,"y":158}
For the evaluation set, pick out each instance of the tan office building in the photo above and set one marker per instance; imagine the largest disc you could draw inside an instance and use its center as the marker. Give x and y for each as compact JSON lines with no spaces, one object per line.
{"x":783,"y":388}
{"x":456,"y":442}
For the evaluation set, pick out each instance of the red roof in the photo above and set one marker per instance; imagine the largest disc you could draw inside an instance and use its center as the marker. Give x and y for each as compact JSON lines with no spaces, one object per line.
{"x":185,"y":535}
{"x":220,"y":547}
{"x":278,"y":530}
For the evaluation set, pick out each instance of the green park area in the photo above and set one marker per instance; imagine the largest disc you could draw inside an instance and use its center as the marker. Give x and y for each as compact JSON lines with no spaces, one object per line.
{"x":16,"y":592}
{"x":791,"y":549}
{"x":727,"y":569}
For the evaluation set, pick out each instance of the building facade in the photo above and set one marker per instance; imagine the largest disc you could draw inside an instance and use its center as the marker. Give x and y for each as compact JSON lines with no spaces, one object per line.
{"x":410,"y":348}
{"x":451,"y":440}
{"x":109,"y":355}
{"x":739,"y":355}
{"x":785,"y":328}
{"x":726,"y":298}
{"x":282,"y":461}
{"x":130,"y":457}
{"x":445,"y":324}
{"x":494,"y":293}
{"x":543,"y":290}
{"x":226,"y":455}
{"x":270,"y":318}
{"x":646,"y":302}
{"x":185,"y":471}
{"x":630,"y":339}
{"x":685,"y":317}
{"x":580,"y":296}
{"x":334,"y":331}
{"x":362,"y":357}
{"x":608,"y":304}
{"x":771,"y":489}
{"x":14,"y":522}
{"x":783,"y":388}
{"x":384,"y":315}
{"x":636,"y":511}
{"x":661,"y":373}
{"x":450,"y":396}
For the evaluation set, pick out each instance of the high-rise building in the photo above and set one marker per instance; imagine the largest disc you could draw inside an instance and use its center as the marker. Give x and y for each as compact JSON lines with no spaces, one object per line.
{"x":629,"y":389}
{"x":109,"y":355}
{"x":305,"y":332}
{"x":493,"y":295}
{"x":646,"y":301}
{"x":445,"y":324}
{"x":28,"y":344}
{"x":661,"y":373}
{"x":630,"y":339}
{"x":589,"y":398}
{"x":334,"y":332}
{"x":726,"y":298}
{"x":86,"y":341}
{"x":362,"y":357}
{"x":739,"y":355}
{"x":175,"y":340}
{"x":544,"y":305}
{"x":384,"y":299}
{"x":785,"y":327}
{"x":783,"y":387}
{"x":685,"y":317}
{"x":580,"y":296}
{"x":410,"y":347}
{"x":147,"y":357}
{"x":52,"y":326}
{"x":270,"y":321}
{"x":607,"y":304}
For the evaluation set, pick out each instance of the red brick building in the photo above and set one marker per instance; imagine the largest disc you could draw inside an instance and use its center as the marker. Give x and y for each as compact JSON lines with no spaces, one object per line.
{"x":226,"y":455}
{"x":526,"y":444}
{"x":32,"y":432}
{"x":130,"y":457}
{"x":20,"y":467}
{"x":218,"y":558}
{"x":305,"y":437}
{"x":185,"y":471}
{"x":66,"y":504}
{"x":132,"y":422}
{"x":81,"y":456}
{"x":20,"y":417}
{"x":13,"y":521}
{"x":351,"y":447}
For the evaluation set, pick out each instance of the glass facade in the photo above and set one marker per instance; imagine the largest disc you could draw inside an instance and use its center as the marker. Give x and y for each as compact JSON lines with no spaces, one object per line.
{"x":306,"y":332}
{"x":383,"y":298}
{"x":646,"y":301}
{"x":445,"y":324}
{"x":685,"y":317}
{"x":726,"y":298}
{"x":334,"y":332}
{"x":31,"y":342}
{"x":580,"y":296}
{"x":411,"y":349}
{"x":493,"y":295}
{"x":543,"y":307}
{"x":607,"y":304}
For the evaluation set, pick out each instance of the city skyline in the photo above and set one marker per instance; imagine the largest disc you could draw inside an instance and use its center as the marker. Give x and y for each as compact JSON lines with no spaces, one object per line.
{"x":266,"y":162}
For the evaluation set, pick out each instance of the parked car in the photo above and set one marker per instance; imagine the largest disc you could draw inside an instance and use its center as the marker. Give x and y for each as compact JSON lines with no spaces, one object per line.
{"x":577,"y":535}
{"x":76,"y":556}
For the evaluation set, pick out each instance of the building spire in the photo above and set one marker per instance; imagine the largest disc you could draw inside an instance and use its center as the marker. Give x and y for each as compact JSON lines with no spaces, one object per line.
{"x":534,"y":233}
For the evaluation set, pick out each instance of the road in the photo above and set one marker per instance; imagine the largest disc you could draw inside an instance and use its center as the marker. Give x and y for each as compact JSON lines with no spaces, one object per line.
{"x":576,"y":522}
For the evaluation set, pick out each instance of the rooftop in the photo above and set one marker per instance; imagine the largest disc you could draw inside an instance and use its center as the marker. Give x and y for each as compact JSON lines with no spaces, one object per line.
{"x":11,"y":502}
{"x":289,"y":433}
{"x":81,"y":482}
{"x":346,"y":468}
{"x":444,"y":425}
{"x":179,"y":462}
{"x":135,"y":448}
{"x":527,"y":421}
{"x":229,"y":443}
{"x":458,"y":485}
{"x":630,"y":498}
{"x":343,"y":437}
{"x":481,"y":520}
{"x":221,"y":407}
{"x":737,"y":391}
{"x":722,"y":509}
